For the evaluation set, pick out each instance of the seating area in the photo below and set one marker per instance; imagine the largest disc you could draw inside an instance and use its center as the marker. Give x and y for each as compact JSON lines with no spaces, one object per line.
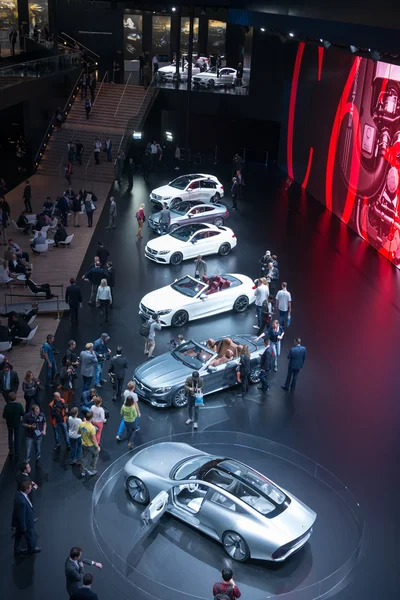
{"x":216,"y":283}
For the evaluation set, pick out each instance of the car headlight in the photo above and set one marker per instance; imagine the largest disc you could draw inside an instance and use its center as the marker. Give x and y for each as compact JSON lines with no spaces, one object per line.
{"x":162,"y":390}
{"x":164,"y":312}
{"x":164,"y":252}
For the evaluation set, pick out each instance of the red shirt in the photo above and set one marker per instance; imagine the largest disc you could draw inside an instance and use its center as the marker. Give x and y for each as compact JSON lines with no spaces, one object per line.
{"x":223,"y":587}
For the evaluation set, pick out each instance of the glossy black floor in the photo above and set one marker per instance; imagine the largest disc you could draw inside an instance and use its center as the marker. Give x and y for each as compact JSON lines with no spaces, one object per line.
{"x":344,"y":414}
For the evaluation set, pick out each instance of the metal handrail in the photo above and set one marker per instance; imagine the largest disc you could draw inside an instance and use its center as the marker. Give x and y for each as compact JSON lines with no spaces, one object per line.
{"x":79,"y":44}
{"x":122,"y":95}
{"x":101,"y":85}
{"x":138,"y":112}
{"x":39,"y":298}
{"x":90,"y":158}
{"x":79,"y":123}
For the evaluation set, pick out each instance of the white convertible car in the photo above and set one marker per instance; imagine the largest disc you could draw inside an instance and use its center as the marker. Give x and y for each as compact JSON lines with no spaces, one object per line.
{"x":196,"y":186}
{"x":190,"y":241}
{"x":212,"y":78}
{"x":188,"y":299}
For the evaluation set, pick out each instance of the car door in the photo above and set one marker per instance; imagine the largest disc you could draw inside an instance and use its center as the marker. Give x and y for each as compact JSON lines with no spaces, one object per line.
{"x":206,"y":242}
{"x":193,"y":191}
{"x":207,"y":190}
{"x":224,"y":376}
{"x":196,"y":213}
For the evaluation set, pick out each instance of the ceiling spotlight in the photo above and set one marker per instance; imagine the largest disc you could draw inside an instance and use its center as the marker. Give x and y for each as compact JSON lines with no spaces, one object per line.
{"x":137,"y":135}
{"x":262,"y":29}
{"x":326,"y":44}
{"x":321,"y":40}
{"x":291,"y":34}
{"x":353,"y":49}
{"x":173,"y":9}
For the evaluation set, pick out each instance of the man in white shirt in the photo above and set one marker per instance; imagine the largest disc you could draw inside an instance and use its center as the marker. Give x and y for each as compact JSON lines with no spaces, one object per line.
{"x":261,"y":293}
{"x":284,"y":304}
{"x":97,"y":149}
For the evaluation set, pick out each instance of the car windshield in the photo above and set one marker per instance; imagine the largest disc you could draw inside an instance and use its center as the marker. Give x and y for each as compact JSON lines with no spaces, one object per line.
{"x":181,"y":208}
{"x":261,"y":483}
{"x":180,"y":183}
{"x":192,"y":355}
{"x":188,"y":286}
{"x":190,"y":466}
{"x":184,"y":233}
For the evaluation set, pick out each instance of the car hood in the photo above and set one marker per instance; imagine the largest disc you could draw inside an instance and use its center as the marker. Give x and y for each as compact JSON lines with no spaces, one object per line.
{"x":161,"y":458}
{"x":162,"y":371}
{"x":166,"y":190}
{"x":155,"y":217}
{"x":165,"y":242}
{"x":163,"y":299}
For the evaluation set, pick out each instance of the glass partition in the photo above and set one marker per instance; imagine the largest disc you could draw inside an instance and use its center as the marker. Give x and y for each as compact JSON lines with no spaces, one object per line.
{"x":132,"y":35}
{"x":37,"y":68}
{"x":161,"y":35}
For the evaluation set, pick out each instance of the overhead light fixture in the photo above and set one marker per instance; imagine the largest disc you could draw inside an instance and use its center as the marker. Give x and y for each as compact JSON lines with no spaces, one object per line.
{"x":173,"y":9}
{"x":353,"y":49}
{"x":169,"y":136}
{"x":291,"y":34}
{"x":262,"y":29}
{"x":137,"y":135}
{"x":326,"y":44}
{"x":321,"y":40}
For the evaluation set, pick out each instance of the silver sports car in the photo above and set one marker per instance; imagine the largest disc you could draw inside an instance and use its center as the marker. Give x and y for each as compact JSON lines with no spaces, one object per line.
{"x":190,"y":211}
{"x":232,"y":503}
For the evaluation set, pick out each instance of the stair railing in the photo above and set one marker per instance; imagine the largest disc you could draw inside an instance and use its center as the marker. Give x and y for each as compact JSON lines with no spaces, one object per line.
{"x":137,"y":116}
{"x":74,"y":41}
{"x":122,"y":95}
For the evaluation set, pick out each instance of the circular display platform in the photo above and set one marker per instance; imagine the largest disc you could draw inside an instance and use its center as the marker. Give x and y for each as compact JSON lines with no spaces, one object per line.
{"x":173,"y":560}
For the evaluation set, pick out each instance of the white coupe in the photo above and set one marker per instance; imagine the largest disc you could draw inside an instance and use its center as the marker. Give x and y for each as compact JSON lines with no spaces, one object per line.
{"x":168,"y":73}
{"x":213,"y":78}
{"x":196,"y":186}
{"x":188,"y":299}
{"x":190,"y":241}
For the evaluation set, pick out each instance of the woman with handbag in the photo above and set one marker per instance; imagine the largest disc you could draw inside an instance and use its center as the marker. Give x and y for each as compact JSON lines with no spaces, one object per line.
{"x":30,"y":387}
{"x":244,"y":369}
{"x":99,"y":417}
{"x":140,"y":217}
{"x":129,"y":414}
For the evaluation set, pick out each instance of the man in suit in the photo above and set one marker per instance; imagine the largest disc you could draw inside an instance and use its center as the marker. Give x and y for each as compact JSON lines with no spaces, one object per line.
{"x":27,"y":197}
{"x":73,"y":297}
{"x":234,"y":192}
{"x":23,"y":520}
{"x":267,"y":361}
{"x":24,"y":475}
{"x":94,"y":275}
{"x":296,"y":357}
{"x":9,"y":381}
{"x":85,"y":592}
{"x":74,"y":569}
{"x":118,"y":366}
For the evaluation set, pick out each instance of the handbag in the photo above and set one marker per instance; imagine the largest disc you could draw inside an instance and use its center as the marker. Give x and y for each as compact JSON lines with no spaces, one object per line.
{"x":198,"y":399}
{"x":92,"y":206}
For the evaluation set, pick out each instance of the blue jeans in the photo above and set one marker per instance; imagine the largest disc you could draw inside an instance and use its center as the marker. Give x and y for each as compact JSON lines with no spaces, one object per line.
{"x":51,"y":371}
{"x":264,"y":381}
{"x":63,"y":427}
{"x":122,"y":426}
{"x":14,"y":433}
{"x":259,"y":319}
{"x":76,"y":448}
{"x":98,"y":374}
{"x":282,"y":317}
{"x":87,"y":381}
{"x":276,"y":347}
{"x":33,"y":441}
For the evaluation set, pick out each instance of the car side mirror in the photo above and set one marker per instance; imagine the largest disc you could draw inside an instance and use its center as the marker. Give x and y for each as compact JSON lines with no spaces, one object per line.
{"x":203,"y":296}
{"x":194,"y":241}
{"x":190,"y":216}
{"x":211,"y":369}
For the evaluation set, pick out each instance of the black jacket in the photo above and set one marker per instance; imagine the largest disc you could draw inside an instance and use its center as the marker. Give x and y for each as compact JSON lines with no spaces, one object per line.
{"x":14,"y":381}
{"x":73,"y":295}
{"x":103,"y":254}
{"x":110,"y":274}
{"x":267,"y":359}
{"x":74,"y":574}
{"x":118,"y":366}
{"x":22,"y":517}
{"x":27,"y":192}
{"x":244,"y":365}
{"x":84,"y":593}
{"x":60,"y":235}
{"x":95,"y":275}
{"x":20,"y":478}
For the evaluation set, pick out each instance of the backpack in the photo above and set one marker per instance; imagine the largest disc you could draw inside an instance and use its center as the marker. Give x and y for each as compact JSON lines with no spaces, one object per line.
{"x":145,"y":329}
{"x":223,"y":595}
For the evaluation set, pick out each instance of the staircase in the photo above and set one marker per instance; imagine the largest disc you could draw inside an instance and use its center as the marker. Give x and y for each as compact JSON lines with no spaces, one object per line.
{"x":109,"y":114}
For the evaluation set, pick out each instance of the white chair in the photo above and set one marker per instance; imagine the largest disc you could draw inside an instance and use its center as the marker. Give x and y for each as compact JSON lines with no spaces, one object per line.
{"x":67,"y":242}
{"x":30,"y":337}
{"x":15,"y":226}
{"x":30,"y":322}
{"x":4,"y":346}
{"x":53,"y":226}
{"x":40,"y":249}
{"x":44,"y":230}
{"x":31,"y":218}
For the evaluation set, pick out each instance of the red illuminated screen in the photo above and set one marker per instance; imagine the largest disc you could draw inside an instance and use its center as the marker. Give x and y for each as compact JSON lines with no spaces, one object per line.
{"x":341,"y":140}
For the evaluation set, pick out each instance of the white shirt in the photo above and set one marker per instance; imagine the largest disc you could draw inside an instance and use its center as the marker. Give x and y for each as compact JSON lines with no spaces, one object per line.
{"x":104,"y":293}
{"x":155,"y":60}
{"x":26,"y":496}
{"x":153,"y":148}
{"x":283,"y":298}
{"x":128,"y":393}
{"x":98,"y":414}
{"x":97,"y":146}
{"x":73,"y":425}
{"x":261,"y":294}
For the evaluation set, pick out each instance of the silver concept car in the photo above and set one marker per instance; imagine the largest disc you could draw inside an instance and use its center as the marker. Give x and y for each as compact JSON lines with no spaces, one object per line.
{"x":232,"y":503}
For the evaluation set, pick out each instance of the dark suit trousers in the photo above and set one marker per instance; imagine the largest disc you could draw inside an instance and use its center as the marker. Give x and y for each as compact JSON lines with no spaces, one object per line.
{"x":14,"y":436}
{"x":29,"y":536}
{"x":291,"y":376}
{"x":5,"y":394}
{"x":117,"y":387}
{"x":74,"y":309}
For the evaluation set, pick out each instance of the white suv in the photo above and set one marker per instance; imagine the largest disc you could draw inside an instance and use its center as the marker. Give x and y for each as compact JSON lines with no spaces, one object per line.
{"x":197,"y":186}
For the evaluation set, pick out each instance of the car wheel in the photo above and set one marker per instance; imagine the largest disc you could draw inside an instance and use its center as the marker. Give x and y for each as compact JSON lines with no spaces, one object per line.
{"x":180,"y":398}
{"x":241,"y":304}
{"x":218,"y":221}
{"x":235,"y":546}
{"x":210,"y":83}
{"x":180,"y":319}
{"x":137,"y":490}
{"x":255,"y":374}
{"x":224,"y":249}
{"x":215,"y":199}
{"x":176,"y":258}
{"x":173,"y":228}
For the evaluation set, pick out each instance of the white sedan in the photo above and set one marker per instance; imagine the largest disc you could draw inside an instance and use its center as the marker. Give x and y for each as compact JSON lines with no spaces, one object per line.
{"x":195,"y":186}
{"x":214,"y":78}
{"x":190,"y":241}
{"x":168,"y":73}
{"x":188,"y":299}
